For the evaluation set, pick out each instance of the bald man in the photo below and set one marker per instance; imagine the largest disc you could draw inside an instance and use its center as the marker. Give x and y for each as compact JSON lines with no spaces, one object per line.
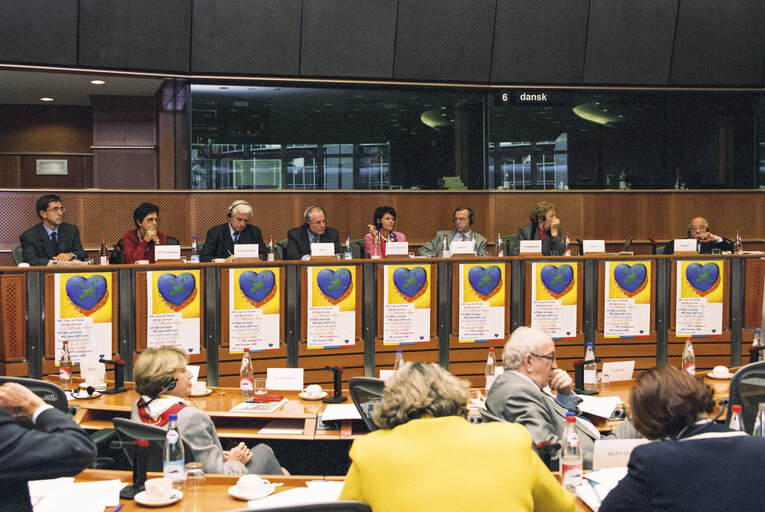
{"x":698,"y":228}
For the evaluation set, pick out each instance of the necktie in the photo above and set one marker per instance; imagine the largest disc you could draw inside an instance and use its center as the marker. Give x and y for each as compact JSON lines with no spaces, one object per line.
{"x":236,"y":237}
{"x":464,"y":237}
{"x":314,"y":239}
{"x":54,"y":238}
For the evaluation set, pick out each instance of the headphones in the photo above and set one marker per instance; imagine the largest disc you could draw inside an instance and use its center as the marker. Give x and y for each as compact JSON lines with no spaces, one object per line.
{"x":168,"y":387}
{"x":471,"y":215}
{"x":236,"y":203}
{"x":307,"y":213}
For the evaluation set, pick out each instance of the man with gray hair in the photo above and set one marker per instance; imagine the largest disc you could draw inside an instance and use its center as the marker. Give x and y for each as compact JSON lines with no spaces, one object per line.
{"x":220,"y":240}
{"x":519,"y":395}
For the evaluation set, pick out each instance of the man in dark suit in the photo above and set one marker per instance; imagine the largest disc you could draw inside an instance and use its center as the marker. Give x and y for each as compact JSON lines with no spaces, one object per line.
{"x":314,"y":230}
{"x":698,"y":228}
{"x":52,"y":239}
{"x":56,"y":447}
{"x":220,"y":240}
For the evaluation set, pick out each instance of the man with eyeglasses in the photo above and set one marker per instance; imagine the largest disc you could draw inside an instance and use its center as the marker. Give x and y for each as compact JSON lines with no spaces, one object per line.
{"x":520,"y":394}
{"x":463,"y":218}
{"x":53,"y":241}
{"x":314,"y":231}
{"x":698,"y":228}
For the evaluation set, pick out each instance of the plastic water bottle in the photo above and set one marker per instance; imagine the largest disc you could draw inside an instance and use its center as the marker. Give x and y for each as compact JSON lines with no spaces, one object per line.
{"x":759,"y":421}
{"x":194,"y":251}
{"x":571,"y":463}
{"x":736,"y":421}
{"x":756,"y":342}
{"x":738,"y":247}
{"x":173,"y":464}
{"x":689,"y":358}
{"x":348,"y":252}
{"x":103,"y":252}
{"x":590,"y":369}
{"x":566,"y":246}
{"x":500,"y":246}
{"x":270,"y":256}
{"x":491,"y":368}
{"x":246,"y":382}
{"x":65,"y":366}
{"x":446,"y":252}
{"x":399,"y":362}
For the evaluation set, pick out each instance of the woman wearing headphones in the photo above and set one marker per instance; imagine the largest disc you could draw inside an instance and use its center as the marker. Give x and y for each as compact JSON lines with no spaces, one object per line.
{"x":381,"y":231}
{"x":138,"y":244}
{"x":162,"y":380}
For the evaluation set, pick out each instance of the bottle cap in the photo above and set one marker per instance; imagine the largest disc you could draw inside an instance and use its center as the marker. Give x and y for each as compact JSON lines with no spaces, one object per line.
{"x":399,"y":351}
{"x":570,"y":417}
{"x":735,"y":407}
{"x":246,"y":349}
{"x":491,"y":349}
{"x":173,"y":417}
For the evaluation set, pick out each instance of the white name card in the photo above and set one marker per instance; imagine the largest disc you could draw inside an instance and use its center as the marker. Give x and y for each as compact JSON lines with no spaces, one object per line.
{"x":397,"y":249}
{"x":614,"y":453}
{"x":531,"y":247}
{"x":246,"y":250}
{"x":323,"y":249}
{"x":462,"y":247}
{"x":386,"y":374}
{"x":685,"y":245}
{"x":290,"y":379}
{"x":620,"y":370}
{"x":167,"y":252}
{"x":194,"y":370}
{"x":594,"y":246}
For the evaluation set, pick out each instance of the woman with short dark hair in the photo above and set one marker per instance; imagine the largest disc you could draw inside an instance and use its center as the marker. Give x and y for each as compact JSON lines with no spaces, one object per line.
{"x":382,"y":231}
{"x":138,"y":244}
{"x":697,"y":464}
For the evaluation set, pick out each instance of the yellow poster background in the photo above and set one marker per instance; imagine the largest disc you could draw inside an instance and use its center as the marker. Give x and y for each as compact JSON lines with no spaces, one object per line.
{"x":241,"y":303}
{"x":689,"y":292}
{"x":318,"y":299}
{"x":394,"y":297}
{"x":616,"y":292}
{"x":67,"y":310}
{"x":542,"y":293}
{"x":470,"y":295}
{"x":159,"y":306}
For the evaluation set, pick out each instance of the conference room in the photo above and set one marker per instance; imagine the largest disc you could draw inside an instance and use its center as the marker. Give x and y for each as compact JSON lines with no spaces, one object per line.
{"x":631,"y":122}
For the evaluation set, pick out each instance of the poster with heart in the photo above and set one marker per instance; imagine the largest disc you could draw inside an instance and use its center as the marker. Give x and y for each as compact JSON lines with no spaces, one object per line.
{"x":627,"y":299}
{"x":254,"y":314}
{"x":174,"y":305}
{"x":482,"y":303}
{"x":699,"y":306}
{"x":83,"y":315}
{"x":554,"y":298}
{"x":406,"y":310}
{"x":331,"y":307}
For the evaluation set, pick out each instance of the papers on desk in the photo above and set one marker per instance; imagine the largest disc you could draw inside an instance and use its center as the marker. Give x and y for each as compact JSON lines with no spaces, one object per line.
{"x":334,"y":412}
{"x":292,"y":426}
{"x":597,"y":484}
{"x":258,"y":406}
{"x":602,"y":406}
{"x":316,"y":491}
{"x":63,"y":494}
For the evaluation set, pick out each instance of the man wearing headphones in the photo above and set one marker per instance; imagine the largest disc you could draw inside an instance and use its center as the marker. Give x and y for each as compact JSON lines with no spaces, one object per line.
{"x":314,"y":230}
{"x":220,"y":240}
{"x":698,"y":228}
{"x":545,"y":226}
{"x":463,"y":221}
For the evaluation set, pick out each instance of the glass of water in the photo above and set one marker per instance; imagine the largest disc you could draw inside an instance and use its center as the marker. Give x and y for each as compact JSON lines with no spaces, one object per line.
{"x":195,"y":477}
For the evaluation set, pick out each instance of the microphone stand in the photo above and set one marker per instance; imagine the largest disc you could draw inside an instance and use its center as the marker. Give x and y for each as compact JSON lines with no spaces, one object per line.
{"x":337,"y":397}
{"x":579,"y":377}
{"x":119,"y":376}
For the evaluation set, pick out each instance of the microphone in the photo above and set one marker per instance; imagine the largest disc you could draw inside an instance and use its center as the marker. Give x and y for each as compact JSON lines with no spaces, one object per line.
{"x":579,"y":377}
{"x":337,"y":396}
{"x":119,"y":376}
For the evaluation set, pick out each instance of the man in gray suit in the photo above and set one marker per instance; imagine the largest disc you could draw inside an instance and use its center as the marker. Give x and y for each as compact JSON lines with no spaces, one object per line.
{"x":463,"y":222}
{"x":518,"y":395}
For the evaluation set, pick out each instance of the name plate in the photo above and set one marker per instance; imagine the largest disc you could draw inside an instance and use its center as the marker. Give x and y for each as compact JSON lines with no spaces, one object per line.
{"x":290,"y":379}
{"x":397,"y":249}
{"x":462,"y":247}
{"x":614,"y":453}
{"x":386,"y":374}
{"x":531,"y":247}
{"x":246,"y":250}
{"x":685,"y":245}
{"x":620,"y":370}
{"x":322,"y":249}
{"x":167,"y":252}
{"x":590,"y":246}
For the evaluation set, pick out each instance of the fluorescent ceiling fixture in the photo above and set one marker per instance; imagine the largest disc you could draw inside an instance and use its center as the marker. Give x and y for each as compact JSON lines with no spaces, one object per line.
{"x":600,"y":113}
{"x":97,"y":82}
{"x":46,"y":99}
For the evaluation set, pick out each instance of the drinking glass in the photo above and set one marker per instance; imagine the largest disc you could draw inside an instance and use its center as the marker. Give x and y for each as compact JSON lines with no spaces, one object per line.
{"x":195,"y":477}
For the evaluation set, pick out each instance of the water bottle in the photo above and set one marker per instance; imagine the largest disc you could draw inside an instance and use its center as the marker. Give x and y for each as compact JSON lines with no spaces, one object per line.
{"x":173,"y":464}
{"x":736,"y":421}
{"x":446,"y":253}
{"x":500,"y":246}
{"x":270,"y":256}
{"x":566,"y":246}
{"x":759,"y":420}
{"x":103,"y":252}
{"x":689,"y":358}
{"x":65,"y":366}
{"x":756,"y":342}
{"x":571,"y":463}
{"x":246,"y":382}
{"x":590,"y":369}
{"x":491,"y":367}
{"x":194,"y":251}
{"x":399,"y":362}
{"x":348,"y":252}
{"x":738,"y":247}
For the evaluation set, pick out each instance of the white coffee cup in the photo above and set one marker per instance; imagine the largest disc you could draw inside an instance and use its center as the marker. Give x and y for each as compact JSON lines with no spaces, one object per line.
{"x":199,"y":386}
{"x":720,"y":371}
{"x":159,"y":489}
{"x":313,"y":390}
{"x":251,"y":485}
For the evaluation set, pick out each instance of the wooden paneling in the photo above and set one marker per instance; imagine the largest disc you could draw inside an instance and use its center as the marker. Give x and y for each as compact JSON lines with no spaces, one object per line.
{"x":753,"y":294}
{"x":13,"y":318}
{"x":44,"y":129}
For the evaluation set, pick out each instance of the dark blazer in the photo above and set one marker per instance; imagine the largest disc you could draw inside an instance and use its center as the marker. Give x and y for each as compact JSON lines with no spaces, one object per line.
{"x":57,"y":447}
{"x":298,"y":244}
{"x":219,"y":244}
{"x":714,"y":469}
{"x":37,"y":247}
{"x":704,"y":247}
{"x":530,"y":232}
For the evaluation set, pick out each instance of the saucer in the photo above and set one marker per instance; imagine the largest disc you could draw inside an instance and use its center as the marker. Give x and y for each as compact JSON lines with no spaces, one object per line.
{"x":206,"y":392}
{"x":83,"y":395}
{"x":311,"y":397}
{"x":144,"y":500}
{"x":236,"y":493}
{"x":723,"y":377}
{"x":99,"y":387}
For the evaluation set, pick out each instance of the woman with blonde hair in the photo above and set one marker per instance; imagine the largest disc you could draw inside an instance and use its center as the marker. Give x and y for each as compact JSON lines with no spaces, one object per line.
{"x":162,"y":380}
{"x":428,"y":457}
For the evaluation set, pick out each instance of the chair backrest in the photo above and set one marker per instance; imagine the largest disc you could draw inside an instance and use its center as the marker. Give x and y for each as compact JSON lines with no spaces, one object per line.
{"x":323,"y":506}
{"x":174,"y":241}
{"x":17,"y":253}
{"x":280,"y":247}
{"x":488,"y":417}
{"x":358,"y":249}
{"x":129,"y":430}
{"x":507,"y":243}
{"x":748,"y":389}
{"x":365,"y":393}
{"x":49,"y":392}
{"x":115,"y":258}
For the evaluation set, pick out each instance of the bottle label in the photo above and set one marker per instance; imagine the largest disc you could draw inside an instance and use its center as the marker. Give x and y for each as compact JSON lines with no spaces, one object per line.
{"x":573,"y":440}
{"x":246,"y":384}
{"x":172,"y":436}
{"x":348,"y":255}
{"x":270,"y":256}
{"x":104,"y":260}
{"x":590,"y":377}
{"x":490,"y":381}
{"x":64,"y":372}
{"x":690,"y":368}
{"x":174,"y":470}
{"x":572,"y":473}
{"x":195,"y":258}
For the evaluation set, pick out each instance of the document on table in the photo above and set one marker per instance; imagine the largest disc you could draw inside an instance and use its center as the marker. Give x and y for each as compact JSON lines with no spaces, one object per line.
{"x":284,"y":426}
{"x":258,"y":406}
{"x":602,"y":406}
{"x":63,"y":494}
{"x":597,"y":484}
{"x":316,"y":491}
{"x":334,"y":412}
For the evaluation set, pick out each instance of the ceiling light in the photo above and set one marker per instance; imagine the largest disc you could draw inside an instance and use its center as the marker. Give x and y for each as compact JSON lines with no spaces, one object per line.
{"x":46,"y":99}
{"x":97,"y":82}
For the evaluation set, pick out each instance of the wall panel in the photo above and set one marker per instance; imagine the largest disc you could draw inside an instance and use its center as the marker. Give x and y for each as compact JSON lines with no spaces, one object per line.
{"x":40,"y":32}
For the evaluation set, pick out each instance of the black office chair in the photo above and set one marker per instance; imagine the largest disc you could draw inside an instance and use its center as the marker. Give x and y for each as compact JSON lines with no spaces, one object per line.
{"x":508,"y":242}
{"x":17,"y":254}
{"x":174,"y":241}
{"x":487,"y":417}
{"x":358,"y":248}
{"x":281,"y":248}
{"x":115,"y":258}
{"x":365,"y":393}
{"x":747,"y":388}
{"x":129,"y":430}
{"x":49,"y":392}
{"x":325,"y":506}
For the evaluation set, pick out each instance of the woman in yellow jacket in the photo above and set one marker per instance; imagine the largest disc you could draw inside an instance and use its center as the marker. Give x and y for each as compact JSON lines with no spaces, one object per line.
{"x":428,"y":457}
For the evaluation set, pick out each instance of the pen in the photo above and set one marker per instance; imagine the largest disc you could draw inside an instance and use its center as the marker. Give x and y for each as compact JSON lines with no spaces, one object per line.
{"x":117,"y":509}
{"x":229,"y":252}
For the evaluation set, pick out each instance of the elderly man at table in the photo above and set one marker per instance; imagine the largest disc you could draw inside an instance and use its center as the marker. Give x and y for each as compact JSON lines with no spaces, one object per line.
{"x":52,"y":239}
{"x":463,"y":218}
{"x":314,"y":230}
{"x":698,"y":228}
{"x":220,"y":240}
{"x":519,"y":394}
{"x":56,"y":447}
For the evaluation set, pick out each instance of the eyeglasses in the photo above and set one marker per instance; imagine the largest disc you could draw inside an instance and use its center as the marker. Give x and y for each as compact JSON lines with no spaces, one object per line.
{"x":551,"y":357}
{"x":697,"y":228}
{"x":56,"y":209}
